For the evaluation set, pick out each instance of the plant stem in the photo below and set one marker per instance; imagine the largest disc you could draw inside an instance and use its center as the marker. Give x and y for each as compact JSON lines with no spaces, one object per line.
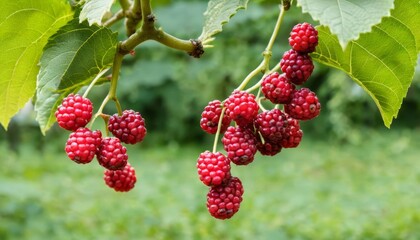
{"x":94,"y":81}
{"x":115,"y":18}
{"x":134,"y":16}
{"x":114,"y":80}
{"x":263,"y":67}
{"x":219,"y":127}
{"x":125,"y":5}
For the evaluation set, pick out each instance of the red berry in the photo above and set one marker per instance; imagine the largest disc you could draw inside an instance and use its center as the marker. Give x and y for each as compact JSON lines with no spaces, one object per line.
{"x":298,"y":67}
{"x":224,"y":201}
{"x":271,"y":125}
{"x":241,"y":107}
{"x":294,"y":134}
{"x":213,"y":168}
{"x":277,"y":88}
{"x":240,"y":145}
{"x":112,"y":154}
{"x":74,"y":112}
{"x":211,"y":116}
{"x":129,"y":127}
{"x":303,"y":38}
{"x":268,"y":148}
{"x":304,"y":105}
{"x":83,"y":144}
{"x":121,"y":180}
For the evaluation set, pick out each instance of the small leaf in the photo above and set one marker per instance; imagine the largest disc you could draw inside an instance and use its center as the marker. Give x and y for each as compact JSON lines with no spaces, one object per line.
{"x":218,"y":13}
{"x":383,"y":61}
{"x":72,"y":57}
{"x":94,"y":10}
{"x":25,"y":27}
{"x":347,"y":18}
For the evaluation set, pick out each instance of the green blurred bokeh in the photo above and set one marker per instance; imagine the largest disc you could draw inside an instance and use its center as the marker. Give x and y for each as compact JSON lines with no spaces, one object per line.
{"x":351,"y":178}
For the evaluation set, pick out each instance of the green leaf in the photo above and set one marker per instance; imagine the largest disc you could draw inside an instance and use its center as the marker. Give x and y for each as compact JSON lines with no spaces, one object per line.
{"x":383,"y":61}
{"x":72,"y":57}
{"x":94,"y":10}
{"x":218,"y":13}
{"x":347,"y":18}
{"x":25,"y":27}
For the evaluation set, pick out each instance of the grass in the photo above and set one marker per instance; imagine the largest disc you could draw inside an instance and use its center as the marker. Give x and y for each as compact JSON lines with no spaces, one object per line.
{"x":322,"y":190}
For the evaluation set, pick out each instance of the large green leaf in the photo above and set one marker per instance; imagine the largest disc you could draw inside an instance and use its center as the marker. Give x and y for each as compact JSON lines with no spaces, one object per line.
{"x":72,"y":57}
{"x":218,"y":13}
{"x":347,"y":18}
{"x":25,"y":27}
{"x":382,"y":61}
{"x":94,"y":10}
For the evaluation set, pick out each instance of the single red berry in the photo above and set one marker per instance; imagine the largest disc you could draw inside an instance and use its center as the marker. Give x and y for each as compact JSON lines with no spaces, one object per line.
{"x":224,"y":201}
{"x":210,"y":118}
{"x":74,"y":112}
{"x":82,"y":145}
{"x":129,"y":127}
{"x":303,"y":38}
{"x":121,"y":180}
{"x":271,"y":125}
{"x":240,"y":144}
{"x":112,"y":154}
{"x":268,"y":148}
{"x":213,"y":168}
{"x":297,"y":66}
{"x":304,"y":105}
{"x":241,"y":107}
{"x":277,"y":88}
{"x":293,"y":134}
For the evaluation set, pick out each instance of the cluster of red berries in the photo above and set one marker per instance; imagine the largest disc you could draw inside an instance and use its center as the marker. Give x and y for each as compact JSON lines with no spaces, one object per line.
{"x":83,"y":144}
{"x":266,"y":132}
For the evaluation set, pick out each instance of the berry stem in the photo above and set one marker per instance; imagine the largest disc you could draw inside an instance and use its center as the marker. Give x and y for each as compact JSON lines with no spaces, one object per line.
{"x":114,"y":80}
{"x":94,"y":81}
{"x":263,"y":67}
{"x":115,"y":18}
{"x":219,"y":127}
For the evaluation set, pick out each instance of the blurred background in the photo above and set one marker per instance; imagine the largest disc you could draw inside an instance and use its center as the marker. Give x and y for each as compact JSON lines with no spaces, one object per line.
{"x":351,"y":177}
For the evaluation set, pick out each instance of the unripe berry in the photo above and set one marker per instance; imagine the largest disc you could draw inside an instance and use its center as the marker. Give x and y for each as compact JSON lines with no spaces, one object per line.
{"x":297,"y":66}
{"x":240,"y":144}
{"x":277,"y":88}
{"x":241,"y":107}
{"x":121,"y":180}
{"x":303,"y":38}
{"x":304,"y":105}
{"x":224,"y":201}
{"x":213,"y":168}
{"x":129,"y":127}
{"x":271,"y":125}
{"x":74,"y":112}
{"x":112,"y":154}
{"x":82,"y":145}
{"x":210,"y":118}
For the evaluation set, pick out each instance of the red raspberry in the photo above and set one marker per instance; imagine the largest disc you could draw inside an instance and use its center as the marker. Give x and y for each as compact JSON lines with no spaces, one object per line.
{"x":304,"y":105}
{"x":294,"y":134}
{"x":241,"y":107}
{"x":271,"y":125}
{"x":268,"y":148}
{"x":121,"y":180}
{"x":224,"y":201}
{"x":298,"y":67}
{"x":213,"y":168}
{"x":277,"y":88}
{"x":240,"y":145}
{"x":83,"y":144}
{"x":74,"y":112}
{"x":112,"y":154}
{"x":129,"y":127}
{"x":303,"y":38}
{"x":211,"y":116}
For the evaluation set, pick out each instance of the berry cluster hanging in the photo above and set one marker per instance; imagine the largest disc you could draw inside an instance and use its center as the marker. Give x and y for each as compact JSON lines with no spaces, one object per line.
{"x":257,"y":129}
{"x":83,"y":144}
